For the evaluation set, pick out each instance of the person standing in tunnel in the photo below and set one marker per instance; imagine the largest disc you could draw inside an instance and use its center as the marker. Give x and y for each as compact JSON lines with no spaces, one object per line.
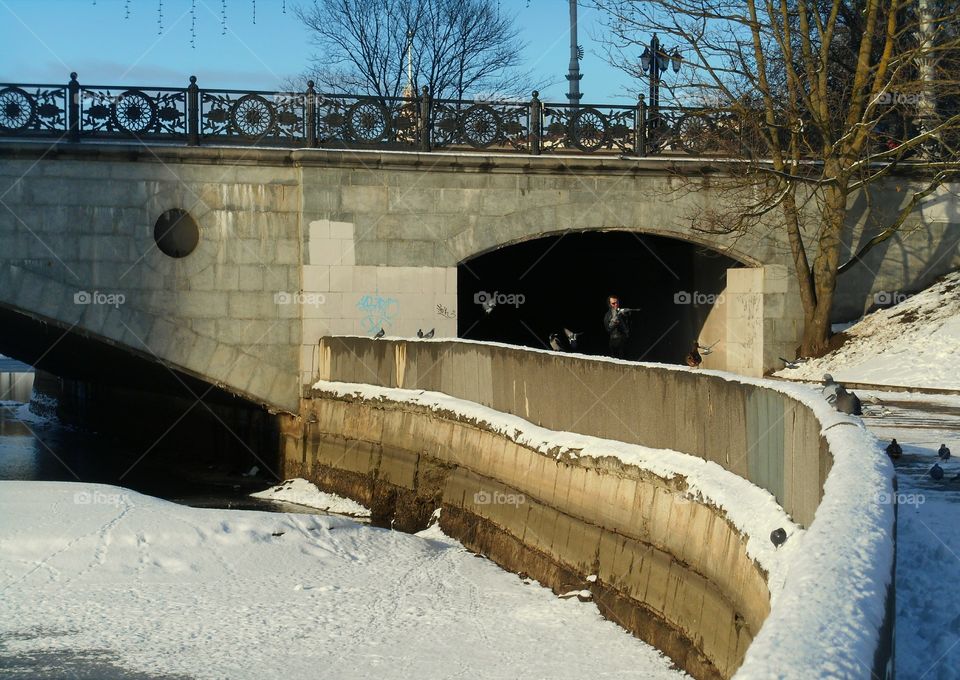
{"x":616,"y":326}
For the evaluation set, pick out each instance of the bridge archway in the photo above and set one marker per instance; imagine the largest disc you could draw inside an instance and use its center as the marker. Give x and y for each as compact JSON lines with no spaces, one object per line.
{"x":542,"y":285}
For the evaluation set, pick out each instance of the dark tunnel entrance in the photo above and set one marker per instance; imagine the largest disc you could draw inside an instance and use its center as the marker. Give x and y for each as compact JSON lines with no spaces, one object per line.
{"x":542,"y":286}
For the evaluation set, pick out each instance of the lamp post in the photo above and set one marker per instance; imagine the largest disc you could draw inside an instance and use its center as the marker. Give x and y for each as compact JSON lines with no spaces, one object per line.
{"x":655,"y":61}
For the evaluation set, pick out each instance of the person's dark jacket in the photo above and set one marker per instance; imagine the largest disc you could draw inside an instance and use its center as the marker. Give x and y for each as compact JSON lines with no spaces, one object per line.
{"x":616,"y":325}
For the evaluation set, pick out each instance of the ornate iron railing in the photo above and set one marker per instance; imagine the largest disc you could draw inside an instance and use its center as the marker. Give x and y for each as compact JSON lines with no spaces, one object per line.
{"x":194,"y":116}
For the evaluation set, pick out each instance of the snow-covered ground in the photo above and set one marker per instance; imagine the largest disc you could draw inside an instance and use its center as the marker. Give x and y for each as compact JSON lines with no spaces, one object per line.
{"x":915,"y":343}
{"x":302,"y":492}
{"x":928,"y":531}
{"x":99,"y":581}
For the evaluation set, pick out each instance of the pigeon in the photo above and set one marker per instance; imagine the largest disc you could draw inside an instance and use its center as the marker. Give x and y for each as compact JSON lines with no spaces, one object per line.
{"x":831,"y":389}
{"x":380,"y":334}
{"x":790,"y":364}
{"x":936,"y":472}
{"x":572,"y":338}
{"x":555,"y":343}
{"x":894,"y":450}
{"x":778,"y":537}
{"x":943,"y":452}
{"x":708,"y":350}
{"x":489,"y":303}
{"x":429,"y":333}
{"x":848,"y":402}
{"x":419,"y":332}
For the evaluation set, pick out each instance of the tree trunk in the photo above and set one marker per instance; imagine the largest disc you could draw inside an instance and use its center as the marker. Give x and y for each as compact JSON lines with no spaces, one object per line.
{"x":816,"y":332}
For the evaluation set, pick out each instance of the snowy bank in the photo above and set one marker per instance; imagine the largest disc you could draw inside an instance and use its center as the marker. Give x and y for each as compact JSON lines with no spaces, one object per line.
{"x":915,"y":343}
{"x":100,"y":581}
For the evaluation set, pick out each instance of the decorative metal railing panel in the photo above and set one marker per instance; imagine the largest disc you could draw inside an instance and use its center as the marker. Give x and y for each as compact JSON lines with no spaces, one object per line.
{"x":590,"y":128}
{"x":130,"y":112}
{"x":30,"y":110}
{"x":311,"y":119}
{"x":252,"y":116}
{"x":480,"y":125}
{"x":367,"y":121}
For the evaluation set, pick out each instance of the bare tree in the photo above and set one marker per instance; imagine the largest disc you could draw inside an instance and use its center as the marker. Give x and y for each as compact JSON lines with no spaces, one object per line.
{"x":829,"y":97}
{"x":455,"y":47}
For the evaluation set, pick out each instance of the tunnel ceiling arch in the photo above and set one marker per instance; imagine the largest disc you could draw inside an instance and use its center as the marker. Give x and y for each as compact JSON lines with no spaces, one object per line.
{"x":525,"y":292}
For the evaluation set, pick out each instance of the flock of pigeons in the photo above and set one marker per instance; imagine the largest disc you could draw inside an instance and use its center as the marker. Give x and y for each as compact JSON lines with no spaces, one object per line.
{"x":420,"y":334}
{"x":894,"y":450}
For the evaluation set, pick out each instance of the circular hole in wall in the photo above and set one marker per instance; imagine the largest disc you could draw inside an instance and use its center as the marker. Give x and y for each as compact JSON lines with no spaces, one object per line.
{"x":176,"y":233}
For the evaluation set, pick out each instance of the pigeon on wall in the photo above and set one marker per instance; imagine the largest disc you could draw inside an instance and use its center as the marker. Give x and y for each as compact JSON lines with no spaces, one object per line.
{"x":943,"y":452}
{"x":380,"y":334}
{"x":778,"y":537}
{"x":429,"y":333}
{"x":555,"y":343}
{"x":936,"y":471}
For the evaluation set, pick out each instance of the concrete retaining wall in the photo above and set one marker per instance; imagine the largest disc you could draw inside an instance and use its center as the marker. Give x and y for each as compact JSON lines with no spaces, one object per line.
{"x":673,"y":571}
{"x":763,"y":436}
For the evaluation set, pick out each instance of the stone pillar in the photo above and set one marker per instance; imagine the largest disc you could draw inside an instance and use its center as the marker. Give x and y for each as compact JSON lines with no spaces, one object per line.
{"x":764,"y":319}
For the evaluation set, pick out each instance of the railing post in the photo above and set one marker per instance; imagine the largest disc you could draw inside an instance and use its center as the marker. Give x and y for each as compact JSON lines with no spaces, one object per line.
{"x":536,"y":124}
{"x":193,"y":112}
{"x":424,"y":121}
{"x":73,"y":108}
{"x":640,"y":128}
{"x":310,"y":115}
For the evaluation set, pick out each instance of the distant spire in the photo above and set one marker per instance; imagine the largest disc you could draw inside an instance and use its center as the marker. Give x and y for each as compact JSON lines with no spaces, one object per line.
{"x":574,"y":75}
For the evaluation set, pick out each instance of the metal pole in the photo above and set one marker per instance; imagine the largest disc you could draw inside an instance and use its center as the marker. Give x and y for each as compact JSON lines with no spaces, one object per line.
{"x":536,"y":126}
{"x":73,"y":108}
{"x":424,"y":122}
{"x":193,"y":112}
{"x":574,"y":75}
{"x":310,"y":115}
{"x":640,"y":128}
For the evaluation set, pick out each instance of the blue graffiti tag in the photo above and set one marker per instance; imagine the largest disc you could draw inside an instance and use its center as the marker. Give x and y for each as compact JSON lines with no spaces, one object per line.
{"x":379,"y":312}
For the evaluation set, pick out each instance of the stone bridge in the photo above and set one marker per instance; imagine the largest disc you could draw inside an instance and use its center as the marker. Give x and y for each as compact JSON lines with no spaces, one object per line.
{"x":293,"y":245}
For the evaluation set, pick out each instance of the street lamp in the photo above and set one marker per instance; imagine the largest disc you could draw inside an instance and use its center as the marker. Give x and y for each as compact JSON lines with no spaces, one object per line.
{"x":655,"y":61}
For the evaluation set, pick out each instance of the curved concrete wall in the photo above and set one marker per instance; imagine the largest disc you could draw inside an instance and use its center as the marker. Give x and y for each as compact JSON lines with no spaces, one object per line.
{"x":671,"y":570}
{"x":675,"y":573}
{"x":761,"y":435}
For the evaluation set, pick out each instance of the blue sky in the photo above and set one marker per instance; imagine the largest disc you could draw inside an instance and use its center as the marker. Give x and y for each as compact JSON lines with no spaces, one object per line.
{"x":43,"y":40}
